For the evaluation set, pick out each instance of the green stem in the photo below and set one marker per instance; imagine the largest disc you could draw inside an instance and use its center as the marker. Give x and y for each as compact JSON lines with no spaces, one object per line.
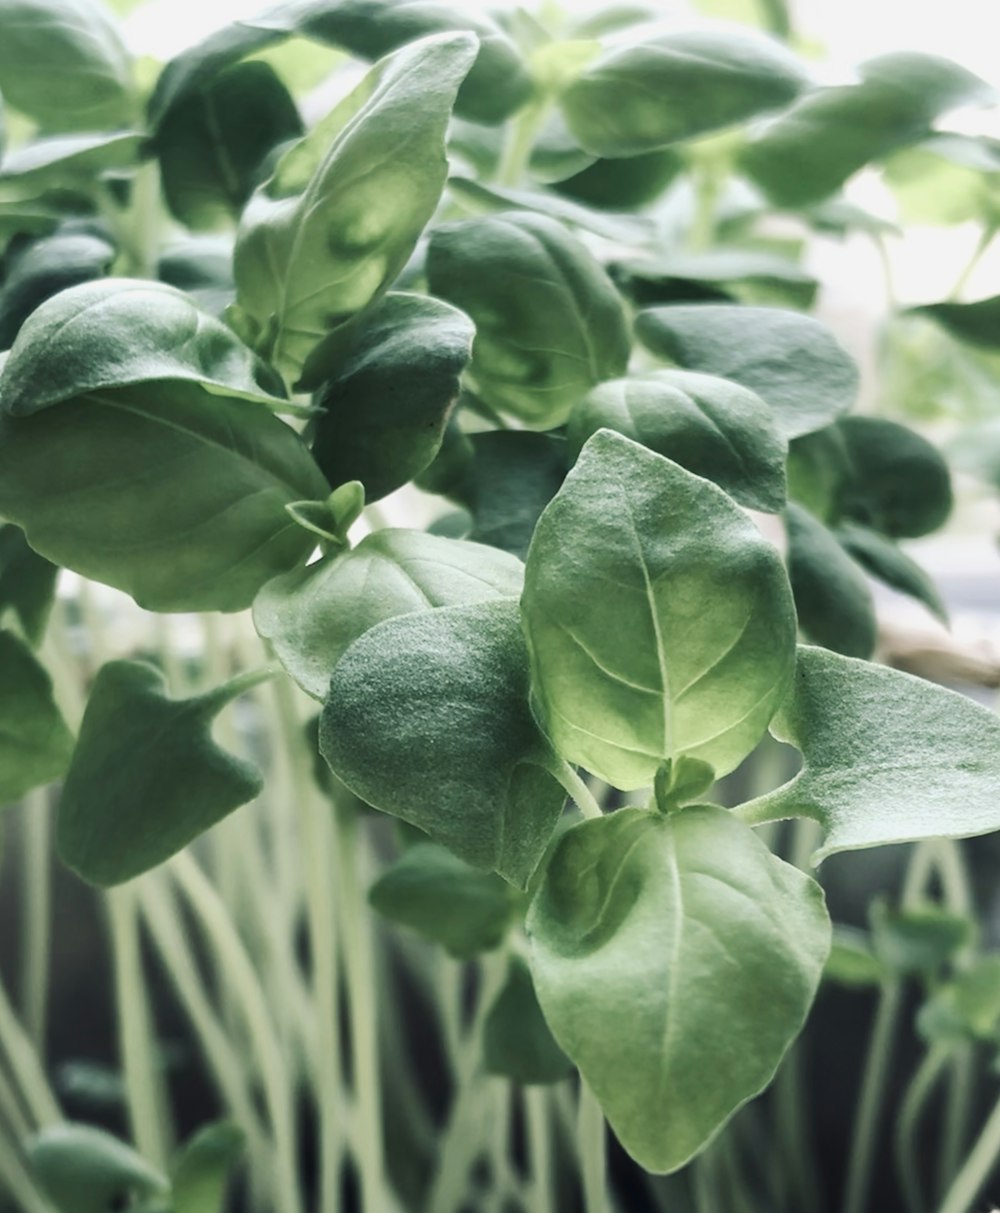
{"x":26,"y":1067}
{"x":958,"y":1103}
{"x":976,"y":1169}
{"x":536,"y":1110}
{"x":19,"y":1184}
{"x":775,"y":18}
{"x":520,"y":142}
{"x":912,"y":1108}
{"x":36,"y":898}
{"x":11,"y":1109}
{"x":578,"y":791}
{"x":592,"y":1136}
{"x":986,"y":238}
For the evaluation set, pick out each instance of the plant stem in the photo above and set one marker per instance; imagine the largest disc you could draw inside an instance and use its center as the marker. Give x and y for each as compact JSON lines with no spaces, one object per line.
{"x":536,"y":1110}
{"x":19,"y":1184}
{"x":36,"y":900}
{"x":912,"y":1108}
{"x":578,"y":791}
{"x":26,"y":1067}
{"x":957,"y":1106}
{"x":976,"y":1169}
{"x":986,"y":238}
{"x":593,"y":1151}
{"x":520,"y":142}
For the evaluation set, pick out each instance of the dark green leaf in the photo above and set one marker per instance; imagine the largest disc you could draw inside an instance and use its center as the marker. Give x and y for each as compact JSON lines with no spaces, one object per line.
{"x":146,"y":777}
{"x":27,"y":583}
{"x":513,"y":478}
{"x":967,"y":1007}
{"x":35,"y":744}
{"x":662,"y":943}
{"x":312,"y":615}
{"x":623,"y":184}
{"x":212,"y":145}
{"x":385,"y":411}
{"x":659,"y":621}
{"x":808,"y":153}
{"x":549,"y":323}
{"x":887,"y":757}
{"x":640,"y":97}
{"x":338,"y":220}
{"x":82,"y":1169}
{"x":731,"y":273}
{"x":885,"y":560}
{"x":428,"y":719}
{"x":918,"y":941}
{"x":832,"y":598}
{"x":818,"y":467}
{"x":200,"y":1174}
{"x":977,"y":323}
{"x":166,"y":491}
{"x":517,"y":1043}
{"x":791,"y":361}
{"x":712,"y":427}
{"x":203,"y":267}
{"x":430,"y":890}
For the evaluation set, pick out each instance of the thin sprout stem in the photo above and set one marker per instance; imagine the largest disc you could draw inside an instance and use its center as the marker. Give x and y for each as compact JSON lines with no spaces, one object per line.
{"x":25,"y":1066}
{"x":958,"y":1103}
{"x":912,"y":1108}
{"x":15,"y":1178}
{"x":12,"y":1110}
{"x":976,"y":1170}
{"x":36,"y":898}
{"x":592,"y":1136}
{"x":578,"y":791}
{"x":536,"y":1109}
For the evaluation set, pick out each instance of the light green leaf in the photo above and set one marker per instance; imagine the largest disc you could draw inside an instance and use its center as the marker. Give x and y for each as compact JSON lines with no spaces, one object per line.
{"x":27,"y":583}
{"x":64,"y":160}
{"x":338,"y":220}
{"x":662,"y":943}
{"x":810,"y":152}
{"x":967,"y":1007}
{"x":430,"y":890}
{"x":918,"y":941}
{"x":385,"y":410}
{"x":82,"y":1169}
{"x":885,"y":560}
{"x":517,"y":1042}
{"x":659,"y":621}
{"x":63,"y":63}
{"x":549,"y":323}
{"x":146,"y":777}
{"x":96,"y":485}
{"x":200,"y":1173}
{"x":119,"y":332}
{"x":790,"y":360}
{"x":852,"y":962}
{"x":311,"y":616}
{"x":428,"y":719}
{"x":712,"y":427}
{"x":35,"y":744}
{"x":886,"y":757}
{"x":640,"y":97}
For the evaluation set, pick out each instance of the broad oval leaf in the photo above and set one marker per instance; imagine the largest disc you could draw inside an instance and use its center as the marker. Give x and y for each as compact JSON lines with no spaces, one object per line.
{"x":146,"y":777}
{"x":659,"y":621}
{"x":63,"y":63}
{"x":514,"y":476}
{"x":712,"y":427}
{"x":549,"y":323}
{"x":385,"y":410}
{"x":662,"y":943}
{"x":640,"y":97}
{"x":790,"y":360}
{"x":977,"y":323}
{"x":427,"y":718}
{"x":167,"y":492}
{"x":82,"y":1169}
{"x":63,"y":160}
{"x":27,"y":584}
{"x":312,"y":615}
{"x":35,"y":744}
{"x":888,"y":562}
{"x":118,"y":332}
{"x":517,"y":1042}
{"x":199,"y":1177}
{"x":338,"y":220}
{"x":886,"y":757}
{"x":627,"y":184}
{"x":811,"y":151}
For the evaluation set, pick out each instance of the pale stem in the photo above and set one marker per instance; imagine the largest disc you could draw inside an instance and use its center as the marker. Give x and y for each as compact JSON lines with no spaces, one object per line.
{"x":976,"y":1170}
{"x":19,"y":1184}
{"x":25,"y":1066}
{"x":919,"y":1090}
{"x":536,"y":1108}
{"x":36,"y":900}
{"x":592,"y":1136}
{"x":13,"y":1112}
{"x":578,"y":791}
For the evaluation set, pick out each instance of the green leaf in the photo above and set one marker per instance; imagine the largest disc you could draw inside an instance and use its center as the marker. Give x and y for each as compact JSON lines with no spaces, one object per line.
{"x":918,"y":941}
{"x":623,"y":184}
{"x":818,"y":466}
{"x":200,"y":1173}
{"x":640,"y":97}
{"x":662,"y":943}
{"x":885,"y":560}
{"x":549,"y":323}
{"x":27,"y":583}
{"x":168,"y":492}
{"x":35,"y":744}
{"x":832,"y":598}
{"x":967,"y":1007}
{"x":513,"y":478}
{"x":213,"y":144}
{"x":852,"y":962}
{"x":712,"y":427}
{"x":736,"y":273}
{"x":119,"y":332}
{"x":445,"y":900}
{"x":331,"y":229}
{"x":82,"y":1169}
{"x":790,"y":360}
{"x":72,"y":44}
{"x":146,"y":777}
{"x":886,"y":757}
{"x":428,"y":719}
{"x":517,"y":1043}
{"x":811,"y":151}
{"x":385,"y":410}
{"x":681,"y":783}
{"x":659,"y":621}
{"x":63,"y":160}
{"x":899,"y":483}
{"x":311,"y":616}
{"x":977,"y":323}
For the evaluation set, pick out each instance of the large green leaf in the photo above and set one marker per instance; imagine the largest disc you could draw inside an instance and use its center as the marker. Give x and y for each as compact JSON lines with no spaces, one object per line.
{"x":808,"y":153}
{"x":790,"y":360}
{"x":82,"y":1169}
{"x":428,"y":719}
{"x":27,"y":583}
{"x":35,"y":744}
{"x":886,"y":757}
{"x":312,"y":615}
{"x":659,"y":621}
{"x":385,"y":410}
{"x":146,"y":777}
{"x":514,"y":476}
{"x":743,"y":275}
{"x":166,"y":491}
{"x":63,"y":63}
{"x":712,"y":427}
{"x":636,"y":98}
{"x":662,"y":944}
{"x":64,"y":160}
{"x":331,"y":229}
{"x":977,"y":323}
{"x":118,"y":332}
{"x":213,"y":144}
{"x":549,"y":323}
{"x":517,"y":1042}
{"x":627,"y":184}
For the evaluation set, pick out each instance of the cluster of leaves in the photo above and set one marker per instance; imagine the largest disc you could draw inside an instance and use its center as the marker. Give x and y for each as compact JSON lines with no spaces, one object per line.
{"x":190,"y":421}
